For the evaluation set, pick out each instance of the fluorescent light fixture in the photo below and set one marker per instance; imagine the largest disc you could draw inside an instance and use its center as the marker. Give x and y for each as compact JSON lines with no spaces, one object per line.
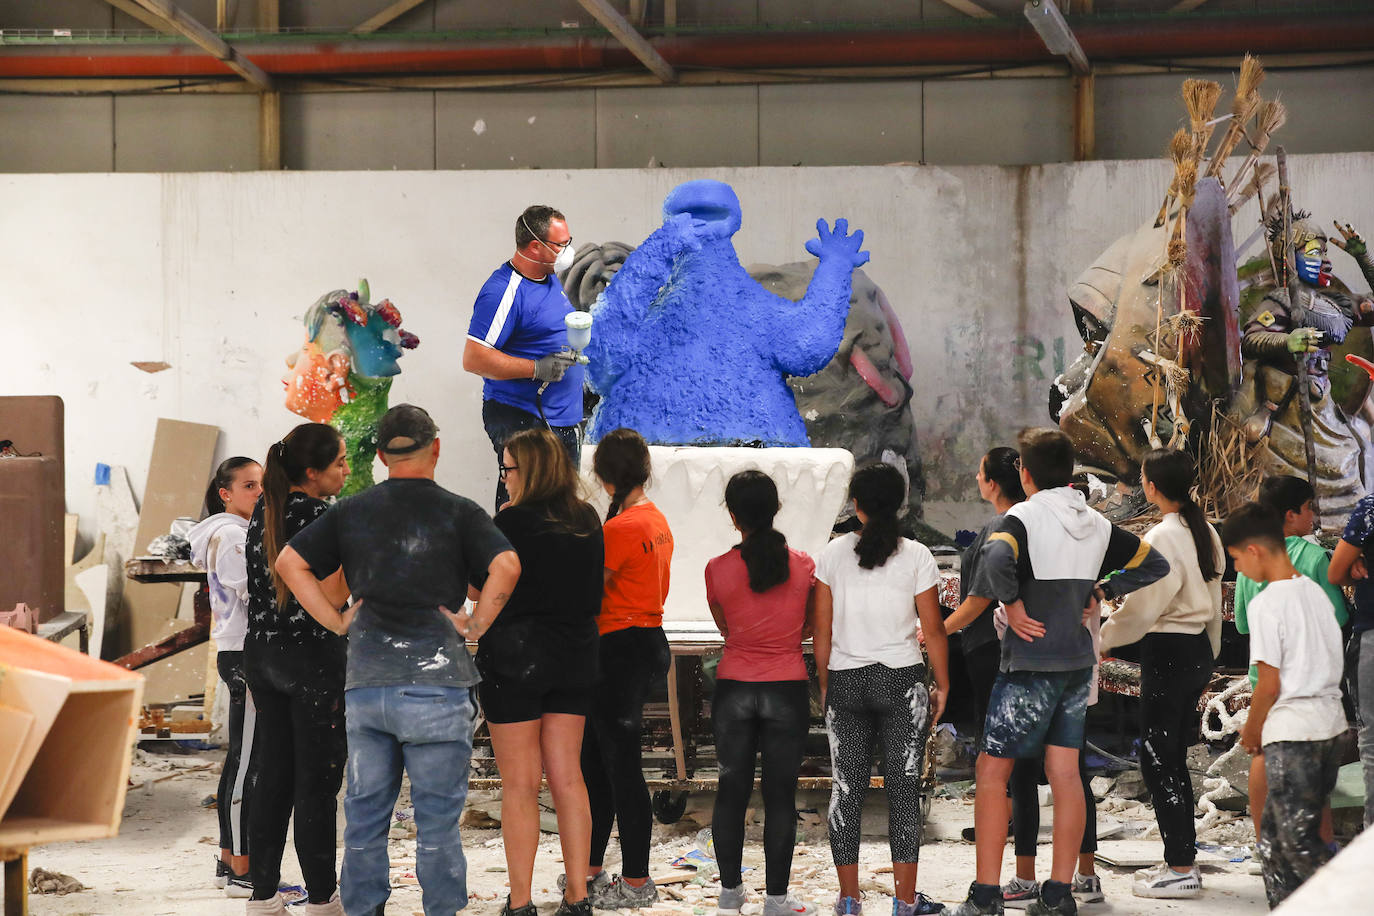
{"x":1048,"y":22}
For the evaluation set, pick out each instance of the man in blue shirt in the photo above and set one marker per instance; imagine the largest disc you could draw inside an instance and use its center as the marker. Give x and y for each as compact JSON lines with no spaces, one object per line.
{"x":517,"y":340}
{"x":1350,"y":567}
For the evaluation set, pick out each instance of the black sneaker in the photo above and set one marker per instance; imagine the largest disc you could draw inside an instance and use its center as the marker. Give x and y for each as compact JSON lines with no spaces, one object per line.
{"x":526,"y":910}
{"x":238,"y":886}
{"x":221,"y":873}
{"x":983,"y":900}
{"x":582,"y":907}
{"x":1064,"y":906}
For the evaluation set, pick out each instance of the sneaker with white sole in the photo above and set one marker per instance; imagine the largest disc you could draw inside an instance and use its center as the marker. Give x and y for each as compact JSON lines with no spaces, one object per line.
{"x":920,"y":906}
{"x":221,"y":873}
{"x":595,"y":883}
{"x":273,"y":906}
{"x":732,"y":900}
{"x":982,"y":900}
{"x":1164,"y":883}
{"x":331,"y":907}
{"x":239,"y":886}
{"x":1020,"y":893}
{"x":848,"y":906}
{"x":618,"y":894}
{"x":787,"y":905}
{"x":1088,"y":889}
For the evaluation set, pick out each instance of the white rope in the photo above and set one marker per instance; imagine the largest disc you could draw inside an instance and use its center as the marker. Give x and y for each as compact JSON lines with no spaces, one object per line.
{"x":1215,"y":784}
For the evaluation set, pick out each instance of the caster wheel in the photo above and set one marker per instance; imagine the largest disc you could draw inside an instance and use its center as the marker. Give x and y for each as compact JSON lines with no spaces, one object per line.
{"x":669,"y":806}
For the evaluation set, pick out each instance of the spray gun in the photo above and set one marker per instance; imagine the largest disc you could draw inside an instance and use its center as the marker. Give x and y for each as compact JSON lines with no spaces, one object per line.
{"x":579,"y":328}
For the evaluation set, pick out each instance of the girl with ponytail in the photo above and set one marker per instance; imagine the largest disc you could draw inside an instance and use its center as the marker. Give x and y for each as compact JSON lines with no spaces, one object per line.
{"x":295,"y":670}
{"x":217,"y":546}
{"x":1177,"y":621}
{"x":632,"y":661}
{"x":875,"y":607}
{"x":760,"y":596}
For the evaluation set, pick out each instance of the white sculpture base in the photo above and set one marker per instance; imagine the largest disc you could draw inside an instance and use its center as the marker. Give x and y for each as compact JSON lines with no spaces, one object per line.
{"x":688,"y":486}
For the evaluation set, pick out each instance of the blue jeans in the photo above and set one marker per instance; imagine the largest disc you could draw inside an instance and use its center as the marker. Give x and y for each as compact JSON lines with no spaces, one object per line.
{"x":428,"y":731}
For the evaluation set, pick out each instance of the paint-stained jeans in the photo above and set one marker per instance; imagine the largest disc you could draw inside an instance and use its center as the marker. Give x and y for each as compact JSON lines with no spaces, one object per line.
{"x":1360,"y":664}
{"x":863,"y":705}
{"x":1030,"y":709}
{"x":750,"y":717}
{"x":427,"y":731}
{"x":1174,"y":670}
{"x":1301,"y":776}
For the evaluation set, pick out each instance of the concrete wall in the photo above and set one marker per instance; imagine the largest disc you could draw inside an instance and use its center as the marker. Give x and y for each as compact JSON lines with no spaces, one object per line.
{"x":210,"y":272}
{"x":989,"y":120}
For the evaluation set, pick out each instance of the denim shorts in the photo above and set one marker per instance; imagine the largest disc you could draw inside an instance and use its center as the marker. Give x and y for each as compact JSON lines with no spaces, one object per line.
{"x":1030,"y":709}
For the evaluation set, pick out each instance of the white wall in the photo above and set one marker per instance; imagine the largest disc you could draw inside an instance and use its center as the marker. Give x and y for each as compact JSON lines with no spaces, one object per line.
{"x":211,"y":271}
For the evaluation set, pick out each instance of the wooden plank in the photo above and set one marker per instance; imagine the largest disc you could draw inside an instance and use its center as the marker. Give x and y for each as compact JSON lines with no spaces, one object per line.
{"x":968,"y":8}
{"x":269,"y":131}
{"x":181,"y":465}
{"x":675,"y":720}
{"x":14,"y":725}
{"x":391,"y":13}
{"x":626,"y":34}
{"x":1084,"y":120}
{"x":16,"y":882}
{"x":41,"y":695}
{"x":190,"y":27}
{"x":131,"y":8}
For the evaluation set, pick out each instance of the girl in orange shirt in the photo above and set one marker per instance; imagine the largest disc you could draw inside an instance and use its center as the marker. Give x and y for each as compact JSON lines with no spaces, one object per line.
{"x":633,"y":660}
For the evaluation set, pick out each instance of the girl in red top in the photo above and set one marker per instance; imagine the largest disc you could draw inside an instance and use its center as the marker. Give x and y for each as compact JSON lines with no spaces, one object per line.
{"x":760,"y":595}
{"x":633,"y":660}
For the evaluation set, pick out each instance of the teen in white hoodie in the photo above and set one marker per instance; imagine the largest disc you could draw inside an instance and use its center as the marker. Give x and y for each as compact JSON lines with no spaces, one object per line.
{"x":1177,"y":621}
{"x":217,"y":545}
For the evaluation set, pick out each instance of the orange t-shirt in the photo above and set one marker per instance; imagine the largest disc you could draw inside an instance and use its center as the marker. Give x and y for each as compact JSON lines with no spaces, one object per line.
{"x":639,"y":550}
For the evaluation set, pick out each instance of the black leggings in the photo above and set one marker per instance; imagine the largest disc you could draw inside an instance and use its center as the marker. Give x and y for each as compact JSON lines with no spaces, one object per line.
{"x":982,"y":663}
{"x":230,"y":799}
{"x":863,"y":705}
{"x":632,"y":663}
{"x":1175,"y":669}
{"x":748,"y":717}
{"x":1025,"y":805}
{"x":298,"y":760}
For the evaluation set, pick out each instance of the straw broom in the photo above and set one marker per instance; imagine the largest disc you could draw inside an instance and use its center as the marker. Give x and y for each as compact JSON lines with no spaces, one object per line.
{"x":1272,"y":116}
{"x":1200,"y":98}
{"x":1182,"y":148}
{"x":1243,"y":108}
{"x":1264,"y":172}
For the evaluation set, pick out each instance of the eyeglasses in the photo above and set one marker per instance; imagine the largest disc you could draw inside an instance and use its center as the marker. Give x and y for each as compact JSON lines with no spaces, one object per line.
{"x":506,"y":468}
{"x":557,"y":246}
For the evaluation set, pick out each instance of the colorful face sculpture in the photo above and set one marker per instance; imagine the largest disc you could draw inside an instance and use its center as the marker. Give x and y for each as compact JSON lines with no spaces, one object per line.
{"x":317,"y":385}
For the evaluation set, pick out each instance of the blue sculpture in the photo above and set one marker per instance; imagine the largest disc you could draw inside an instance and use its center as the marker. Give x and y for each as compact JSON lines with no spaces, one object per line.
{"x":688,"y":349}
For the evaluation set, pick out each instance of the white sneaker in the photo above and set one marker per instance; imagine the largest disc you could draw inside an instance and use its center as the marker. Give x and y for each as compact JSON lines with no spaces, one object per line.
{"x":1163,"y":882}
{"x":1019,"y":893}
{"x":1087,"y":888}
{"x":732,"y":900}
{"x":787,"y":905}
{"x":332,"y":907}
{"x":270,"y":907}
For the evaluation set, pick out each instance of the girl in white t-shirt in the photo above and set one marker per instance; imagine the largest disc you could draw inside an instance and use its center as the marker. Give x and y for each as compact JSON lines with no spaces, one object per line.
{"x":875,"y":597}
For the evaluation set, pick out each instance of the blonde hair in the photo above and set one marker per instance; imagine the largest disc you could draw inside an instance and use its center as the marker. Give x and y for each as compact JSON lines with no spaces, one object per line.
{"x":548,"y":478}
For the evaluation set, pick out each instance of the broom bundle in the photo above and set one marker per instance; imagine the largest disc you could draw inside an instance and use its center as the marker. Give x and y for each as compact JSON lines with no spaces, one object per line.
{"x":1243,"y":108}
{"x":1200,"y":98}
{"x":1262,"y":175}
{"x":1272,"y":116}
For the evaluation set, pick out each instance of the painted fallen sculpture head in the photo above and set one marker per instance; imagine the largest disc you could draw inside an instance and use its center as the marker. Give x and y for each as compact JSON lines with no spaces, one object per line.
{"x":346,"y":336}
{"x":712,"y":202}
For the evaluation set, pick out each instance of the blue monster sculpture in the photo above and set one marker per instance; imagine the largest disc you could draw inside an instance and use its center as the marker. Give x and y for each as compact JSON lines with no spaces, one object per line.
{"x":688,"y":349}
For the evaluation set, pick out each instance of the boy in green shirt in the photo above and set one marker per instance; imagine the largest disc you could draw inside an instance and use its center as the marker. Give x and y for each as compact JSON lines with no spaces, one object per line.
{"x":1290,"y":497}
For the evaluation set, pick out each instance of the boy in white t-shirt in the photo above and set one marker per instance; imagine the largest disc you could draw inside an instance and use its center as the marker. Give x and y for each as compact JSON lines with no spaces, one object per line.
{"x":1296,"y":720}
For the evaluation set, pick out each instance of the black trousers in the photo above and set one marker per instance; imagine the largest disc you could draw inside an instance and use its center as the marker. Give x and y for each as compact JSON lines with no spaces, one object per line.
{"x":503,"y":421}
{"x":1301,"y":775}
{"x":1026,"y":776}
{"x":749,"y":717}
{"x":982,"y":663}
{"x":632,"y":663}
{"x":230,"y":799}
{"x":298,"y":760}
{"x":1175,"y":669}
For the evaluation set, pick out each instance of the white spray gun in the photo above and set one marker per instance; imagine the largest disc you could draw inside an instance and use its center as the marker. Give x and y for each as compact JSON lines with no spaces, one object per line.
{"x":579,"y":328}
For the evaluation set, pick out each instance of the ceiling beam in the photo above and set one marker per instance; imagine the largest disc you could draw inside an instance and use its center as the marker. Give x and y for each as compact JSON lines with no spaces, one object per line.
{"x":391,"y":13}
{"x":968,"y":8}
{"x":1186,"y":6}
{"x":176,"y":20}
{"x":625,"y":33}
{"x":131,"y":8}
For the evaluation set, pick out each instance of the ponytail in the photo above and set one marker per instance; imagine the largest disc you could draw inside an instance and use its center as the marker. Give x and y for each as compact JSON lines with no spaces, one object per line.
{"x":1171,"y":472}
{"x":879,"y":490}
{"x":310,"y":446}
{"x":1001,"y":466}
{"x":621,"y":460}
{"x":752,"y":497}
{"x":223,"y":480}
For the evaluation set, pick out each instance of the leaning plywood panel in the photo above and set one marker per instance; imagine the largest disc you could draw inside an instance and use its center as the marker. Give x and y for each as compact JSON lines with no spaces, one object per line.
{"x":71,"y":786}
{"x":14,"y":729}
{"x":177,"y":475}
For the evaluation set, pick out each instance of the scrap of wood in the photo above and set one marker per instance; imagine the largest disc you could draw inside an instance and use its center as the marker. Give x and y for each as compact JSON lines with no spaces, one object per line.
{"x":675,"y":877}
{"x":152,"y":782}
{"x":150,"y":366}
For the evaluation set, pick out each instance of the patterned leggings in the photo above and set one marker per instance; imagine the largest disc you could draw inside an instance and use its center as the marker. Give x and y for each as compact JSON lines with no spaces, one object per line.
{"x":863,"y":705}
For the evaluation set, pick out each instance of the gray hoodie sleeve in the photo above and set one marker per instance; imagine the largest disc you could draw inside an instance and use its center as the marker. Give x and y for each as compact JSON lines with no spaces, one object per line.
{"x":1129,"y":564}
{"x":1005,"y":562}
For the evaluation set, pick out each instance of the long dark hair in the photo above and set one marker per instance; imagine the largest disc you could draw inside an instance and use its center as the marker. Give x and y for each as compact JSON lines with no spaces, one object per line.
{"x":310,"y":446}
{"x":621,"y":460}
{"x":753,"y":499}
{"x":1002,"y":466}
{"x":880,"y":491}
{"x":1171,"y":471}
{"x":548,"y":479}
{"x":223,"y":480}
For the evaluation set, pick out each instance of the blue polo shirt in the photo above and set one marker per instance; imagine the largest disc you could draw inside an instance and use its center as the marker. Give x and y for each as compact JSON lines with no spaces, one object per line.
{"x":524,"y":318}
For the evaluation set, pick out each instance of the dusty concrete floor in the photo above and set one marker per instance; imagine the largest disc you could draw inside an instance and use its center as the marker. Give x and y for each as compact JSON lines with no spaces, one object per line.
{"x":162,"y":861}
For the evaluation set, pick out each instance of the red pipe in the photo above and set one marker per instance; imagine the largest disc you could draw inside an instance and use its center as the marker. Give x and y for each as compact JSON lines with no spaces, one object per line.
{"x":1159,"y":39}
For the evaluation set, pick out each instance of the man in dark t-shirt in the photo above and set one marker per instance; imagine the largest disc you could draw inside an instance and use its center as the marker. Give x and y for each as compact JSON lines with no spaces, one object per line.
{"x":409,"y":549}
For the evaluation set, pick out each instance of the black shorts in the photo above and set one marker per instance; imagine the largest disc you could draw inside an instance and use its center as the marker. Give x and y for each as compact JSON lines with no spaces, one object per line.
{"x":504,"y":701}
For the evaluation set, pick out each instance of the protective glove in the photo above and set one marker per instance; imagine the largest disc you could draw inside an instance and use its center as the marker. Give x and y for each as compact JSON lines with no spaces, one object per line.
{"x":1303,"y":340}
{"x":551,"y":368}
